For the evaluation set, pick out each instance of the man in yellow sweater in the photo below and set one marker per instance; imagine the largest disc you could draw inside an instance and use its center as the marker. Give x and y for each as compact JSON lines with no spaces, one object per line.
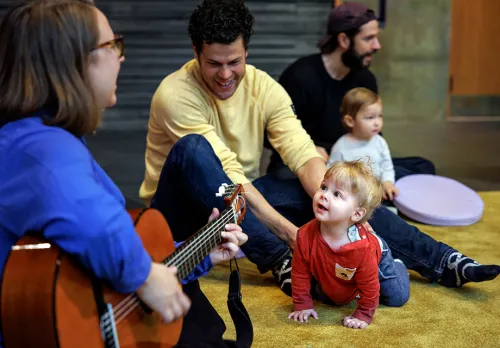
{"x":210,"y":118}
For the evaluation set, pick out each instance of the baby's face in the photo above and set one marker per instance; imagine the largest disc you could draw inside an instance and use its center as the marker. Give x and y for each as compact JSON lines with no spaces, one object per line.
{"x":368,"y":121}
{"x":334,"y":203}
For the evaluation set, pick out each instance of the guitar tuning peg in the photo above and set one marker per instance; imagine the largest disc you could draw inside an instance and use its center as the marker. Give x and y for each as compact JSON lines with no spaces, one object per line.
{"x":222,"y":190}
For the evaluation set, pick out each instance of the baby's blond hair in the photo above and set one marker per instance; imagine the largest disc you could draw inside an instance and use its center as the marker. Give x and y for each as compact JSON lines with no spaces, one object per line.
{"x":358,"y":178}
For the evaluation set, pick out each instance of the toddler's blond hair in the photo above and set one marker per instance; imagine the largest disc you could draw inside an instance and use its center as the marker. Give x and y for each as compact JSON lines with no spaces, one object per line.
{"x":358,"y":178}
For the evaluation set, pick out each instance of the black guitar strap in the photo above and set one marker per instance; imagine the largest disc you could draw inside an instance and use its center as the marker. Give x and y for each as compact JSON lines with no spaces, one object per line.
{"x":241,"y":319}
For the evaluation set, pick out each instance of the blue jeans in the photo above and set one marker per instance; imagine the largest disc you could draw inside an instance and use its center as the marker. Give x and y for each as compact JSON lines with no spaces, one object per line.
{"x":193,"y":173}
{"x":393,"y":278}
{"x":404,"y":166}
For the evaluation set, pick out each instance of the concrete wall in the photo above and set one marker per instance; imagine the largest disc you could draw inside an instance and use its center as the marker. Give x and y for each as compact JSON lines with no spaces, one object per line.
{"x":412,"y":67}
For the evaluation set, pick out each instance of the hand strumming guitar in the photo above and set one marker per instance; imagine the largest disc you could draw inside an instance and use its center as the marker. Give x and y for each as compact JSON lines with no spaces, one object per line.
{"x":163,"y":294}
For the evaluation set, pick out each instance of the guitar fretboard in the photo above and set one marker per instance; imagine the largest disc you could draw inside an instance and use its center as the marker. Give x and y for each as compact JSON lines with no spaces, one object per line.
{"x":193,"y":250}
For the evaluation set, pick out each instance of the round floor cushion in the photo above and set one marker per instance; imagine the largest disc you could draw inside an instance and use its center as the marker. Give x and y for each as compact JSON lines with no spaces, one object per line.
{"x":436,"y":200}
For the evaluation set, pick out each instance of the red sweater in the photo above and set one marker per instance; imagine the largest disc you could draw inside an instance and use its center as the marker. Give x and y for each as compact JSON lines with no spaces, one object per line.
{"x":343,"y":274}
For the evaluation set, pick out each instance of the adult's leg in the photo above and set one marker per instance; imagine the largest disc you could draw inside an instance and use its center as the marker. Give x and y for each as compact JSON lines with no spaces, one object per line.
{"x":287,"y":196}
{"x":278,"y":168}
{"x":417,"y":250}
{"x":202,"y":326}
{"x":432,"y":259}
{"x":185,"y":195}
{"x":404,"y":166}
{"x":290,"y":199}
{"x":394,"y":279}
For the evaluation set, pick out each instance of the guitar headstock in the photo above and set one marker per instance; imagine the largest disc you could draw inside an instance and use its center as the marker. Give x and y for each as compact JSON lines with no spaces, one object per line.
{"x":233,"y":196}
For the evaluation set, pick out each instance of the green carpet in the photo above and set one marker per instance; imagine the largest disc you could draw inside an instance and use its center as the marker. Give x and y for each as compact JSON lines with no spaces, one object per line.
{"x":435,"y":316}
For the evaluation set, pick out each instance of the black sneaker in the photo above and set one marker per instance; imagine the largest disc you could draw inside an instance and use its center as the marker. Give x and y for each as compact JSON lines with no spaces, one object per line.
{"x":282,"y":272}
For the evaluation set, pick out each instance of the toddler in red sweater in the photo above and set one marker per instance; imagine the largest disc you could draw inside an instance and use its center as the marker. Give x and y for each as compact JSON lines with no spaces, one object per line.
{"x":337,"y":259}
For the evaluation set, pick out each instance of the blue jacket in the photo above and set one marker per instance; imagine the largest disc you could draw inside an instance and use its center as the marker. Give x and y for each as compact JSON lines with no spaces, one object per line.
{"x":50,"y":182}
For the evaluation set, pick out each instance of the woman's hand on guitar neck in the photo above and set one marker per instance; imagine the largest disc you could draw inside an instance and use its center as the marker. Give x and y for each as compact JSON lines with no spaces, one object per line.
{"x":163,"y":294}
{"x":232,"y":237}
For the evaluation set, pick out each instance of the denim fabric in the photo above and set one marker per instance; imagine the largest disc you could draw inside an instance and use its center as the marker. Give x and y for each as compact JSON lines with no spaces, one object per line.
{"x":417,"y":250}
{"x":186,"y":191}
{"x":404,"y":166}
{"x":394,"y":279}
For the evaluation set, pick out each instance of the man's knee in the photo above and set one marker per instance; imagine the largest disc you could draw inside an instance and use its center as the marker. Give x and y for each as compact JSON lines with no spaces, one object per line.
{"x":189,"y":148}
{"x":429,"y":167}
{"x":191,"y":141}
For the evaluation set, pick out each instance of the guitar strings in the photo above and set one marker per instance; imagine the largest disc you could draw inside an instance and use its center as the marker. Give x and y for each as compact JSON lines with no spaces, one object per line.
{"x":123,"y":309}
{"x":202,"y":235}
{"x":228,"y":213}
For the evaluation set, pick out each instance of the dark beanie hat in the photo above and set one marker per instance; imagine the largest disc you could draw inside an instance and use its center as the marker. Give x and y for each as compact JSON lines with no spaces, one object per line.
{"x":347,"y":16}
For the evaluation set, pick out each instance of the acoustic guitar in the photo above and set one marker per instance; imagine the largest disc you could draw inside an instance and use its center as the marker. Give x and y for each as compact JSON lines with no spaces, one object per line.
{"x":49,"y":300}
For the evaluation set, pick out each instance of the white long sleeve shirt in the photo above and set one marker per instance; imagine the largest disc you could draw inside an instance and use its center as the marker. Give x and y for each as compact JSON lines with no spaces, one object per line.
{"x":375,"y":151}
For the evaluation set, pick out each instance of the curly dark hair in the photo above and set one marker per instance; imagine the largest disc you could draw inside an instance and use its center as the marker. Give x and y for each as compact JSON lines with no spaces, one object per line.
{"x":221,"y":21}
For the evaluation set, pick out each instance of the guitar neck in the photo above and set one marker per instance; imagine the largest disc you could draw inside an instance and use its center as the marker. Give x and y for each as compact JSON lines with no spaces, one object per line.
{"x":197,"y":247}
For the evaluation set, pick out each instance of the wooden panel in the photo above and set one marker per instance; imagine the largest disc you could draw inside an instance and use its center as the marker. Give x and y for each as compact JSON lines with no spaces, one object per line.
{"x":157,"y":44}
{"x":474,"y":47}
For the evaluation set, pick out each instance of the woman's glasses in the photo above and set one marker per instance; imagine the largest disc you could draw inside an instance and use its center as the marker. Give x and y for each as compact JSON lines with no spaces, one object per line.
{"x":117,"y":43}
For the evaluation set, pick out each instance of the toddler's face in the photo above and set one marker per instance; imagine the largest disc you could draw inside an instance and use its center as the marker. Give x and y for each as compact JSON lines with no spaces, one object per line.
{"x":368,"y":121}
{"x":333,"y":203}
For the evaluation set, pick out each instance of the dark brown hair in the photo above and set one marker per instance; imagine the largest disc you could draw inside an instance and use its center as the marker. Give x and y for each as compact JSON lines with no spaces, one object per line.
{"x":220,"y":21}
{"x":330,"y":45}
{"x":356,"y":99}
{"x":45,"y":49}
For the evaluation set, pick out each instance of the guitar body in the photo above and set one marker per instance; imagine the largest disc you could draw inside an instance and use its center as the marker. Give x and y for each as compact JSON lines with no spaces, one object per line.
{"x":48,"y":299}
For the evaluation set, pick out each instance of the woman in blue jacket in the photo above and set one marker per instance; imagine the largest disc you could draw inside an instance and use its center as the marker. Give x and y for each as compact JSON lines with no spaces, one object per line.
{"x":59,"y":63}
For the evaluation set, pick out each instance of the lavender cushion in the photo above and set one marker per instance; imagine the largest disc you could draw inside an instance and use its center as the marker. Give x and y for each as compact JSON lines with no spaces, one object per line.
{"x":436,"y":200}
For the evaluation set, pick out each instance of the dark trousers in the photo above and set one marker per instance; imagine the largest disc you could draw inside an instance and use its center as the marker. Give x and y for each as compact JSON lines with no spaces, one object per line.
{"x":404,"y":166}
{"x":202,"y":326}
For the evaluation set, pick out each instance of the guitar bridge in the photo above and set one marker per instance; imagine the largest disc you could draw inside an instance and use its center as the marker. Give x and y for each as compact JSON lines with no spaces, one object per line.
{"x":108,"y":328}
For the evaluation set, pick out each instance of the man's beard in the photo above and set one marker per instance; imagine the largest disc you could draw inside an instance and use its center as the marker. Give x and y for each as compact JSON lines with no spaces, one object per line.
{"x":353,"y":60}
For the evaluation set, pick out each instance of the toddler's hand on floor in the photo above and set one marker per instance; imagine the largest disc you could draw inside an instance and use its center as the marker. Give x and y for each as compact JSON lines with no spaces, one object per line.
{"x":303,"y":315}
{"x":390,"y":191}
{"x":354,"y":323}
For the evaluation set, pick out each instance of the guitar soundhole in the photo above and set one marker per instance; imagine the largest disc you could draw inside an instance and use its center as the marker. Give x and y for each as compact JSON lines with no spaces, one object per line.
{"x":150,"y":319}
{"x":146,"y":309}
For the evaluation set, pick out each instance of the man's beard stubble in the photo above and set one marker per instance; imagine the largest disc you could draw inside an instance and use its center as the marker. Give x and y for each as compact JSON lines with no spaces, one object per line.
{"x":353,"y":60}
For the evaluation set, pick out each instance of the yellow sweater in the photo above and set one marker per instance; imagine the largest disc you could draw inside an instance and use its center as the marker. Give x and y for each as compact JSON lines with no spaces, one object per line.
{"x":235,"y":127}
